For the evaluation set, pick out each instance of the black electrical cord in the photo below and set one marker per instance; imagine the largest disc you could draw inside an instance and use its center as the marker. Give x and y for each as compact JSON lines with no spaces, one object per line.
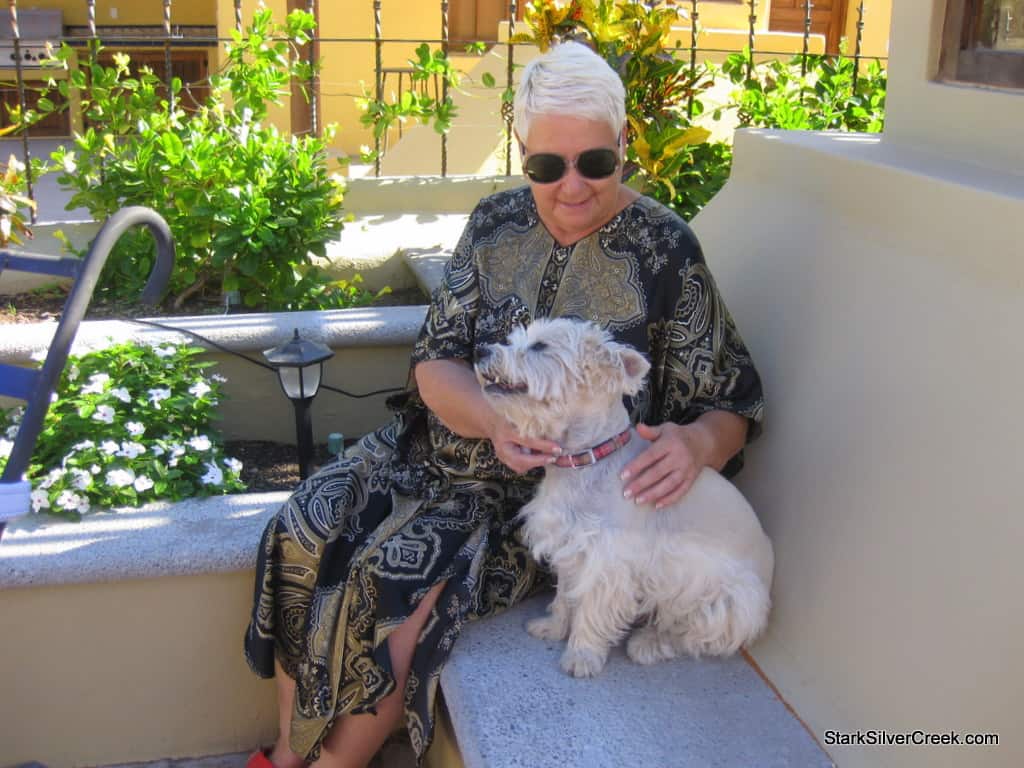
{"x":252,"y":360}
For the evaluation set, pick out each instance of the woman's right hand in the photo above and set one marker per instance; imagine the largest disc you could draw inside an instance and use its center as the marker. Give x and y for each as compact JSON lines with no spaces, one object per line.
{"x":518,"y":453}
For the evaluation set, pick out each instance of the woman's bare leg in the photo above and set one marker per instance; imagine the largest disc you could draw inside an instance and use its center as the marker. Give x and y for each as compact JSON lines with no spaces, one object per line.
{"x":355,"y":739}
{"x":281,"y":755}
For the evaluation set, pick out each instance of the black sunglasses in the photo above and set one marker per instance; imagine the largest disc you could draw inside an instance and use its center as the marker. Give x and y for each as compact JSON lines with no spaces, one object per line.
{"x":545,"y":168}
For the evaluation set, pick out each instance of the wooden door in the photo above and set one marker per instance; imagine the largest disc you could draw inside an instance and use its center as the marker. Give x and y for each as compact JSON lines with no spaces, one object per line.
{"x":828,"y":18}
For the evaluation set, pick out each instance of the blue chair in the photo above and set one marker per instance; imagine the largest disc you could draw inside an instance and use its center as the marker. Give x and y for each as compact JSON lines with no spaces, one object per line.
{"x":35,"y":386}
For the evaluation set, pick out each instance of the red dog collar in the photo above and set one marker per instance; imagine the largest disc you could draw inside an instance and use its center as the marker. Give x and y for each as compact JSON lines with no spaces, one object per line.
{"x":595,"y":454}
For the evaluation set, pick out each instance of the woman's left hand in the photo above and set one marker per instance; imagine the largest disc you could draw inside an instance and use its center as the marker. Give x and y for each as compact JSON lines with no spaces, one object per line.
{"x":663,"y":473}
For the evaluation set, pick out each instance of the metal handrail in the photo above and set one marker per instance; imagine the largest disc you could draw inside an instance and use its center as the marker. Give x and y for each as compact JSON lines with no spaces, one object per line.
{"x":36,"y":386}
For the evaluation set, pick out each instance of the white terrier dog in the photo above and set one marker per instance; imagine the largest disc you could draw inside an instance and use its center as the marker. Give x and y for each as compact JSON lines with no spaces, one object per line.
{"x":695,"y":575}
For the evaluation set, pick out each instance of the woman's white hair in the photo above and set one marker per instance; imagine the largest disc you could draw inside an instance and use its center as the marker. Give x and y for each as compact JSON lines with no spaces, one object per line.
{"x":569,"y":80}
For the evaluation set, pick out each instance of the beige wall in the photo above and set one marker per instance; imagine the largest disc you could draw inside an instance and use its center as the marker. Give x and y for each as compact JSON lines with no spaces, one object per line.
{"x":882,"y":305}
{"x":97,"y":674}
{"x":878,"y":282}
{"x":256,"y":409}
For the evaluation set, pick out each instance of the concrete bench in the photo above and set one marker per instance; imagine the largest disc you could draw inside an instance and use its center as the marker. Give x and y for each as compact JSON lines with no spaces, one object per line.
{"x":509,"y":706}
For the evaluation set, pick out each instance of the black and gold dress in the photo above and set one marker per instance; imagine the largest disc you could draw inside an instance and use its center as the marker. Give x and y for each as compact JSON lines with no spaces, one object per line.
{"x":349,"y":556}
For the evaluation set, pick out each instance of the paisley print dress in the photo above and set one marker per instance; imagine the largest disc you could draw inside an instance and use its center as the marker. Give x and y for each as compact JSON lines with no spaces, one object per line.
{"x":350,"y":554}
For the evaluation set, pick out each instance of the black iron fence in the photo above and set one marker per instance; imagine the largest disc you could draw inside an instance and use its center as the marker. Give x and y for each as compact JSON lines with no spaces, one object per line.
{"x":170,"y":36}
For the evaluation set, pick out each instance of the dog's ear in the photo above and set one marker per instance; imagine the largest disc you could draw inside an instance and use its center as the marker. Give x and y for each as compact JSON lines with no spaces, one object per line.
{"x":634,"y":367}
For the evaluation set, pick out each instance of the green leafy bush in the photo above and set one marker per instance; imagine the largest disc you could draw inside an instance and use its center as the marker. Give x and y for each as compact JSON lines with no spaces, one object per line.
{"x":128,"y":424}
{"x":827,"y":97}
{"x":700,"y":180}
{"x":249,"y":207}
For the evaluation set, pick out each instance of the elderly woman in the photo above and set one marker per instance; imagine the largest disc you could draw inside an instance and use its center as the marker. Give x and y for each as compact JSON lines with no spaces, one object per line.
{"x":367,"y":574}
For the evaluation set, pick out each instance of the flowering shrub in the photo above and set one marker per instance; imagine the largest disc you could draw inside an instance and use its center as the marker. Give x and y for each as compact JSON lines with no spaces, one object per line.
{"x":249,"y":207}
{"x":127,"y":425}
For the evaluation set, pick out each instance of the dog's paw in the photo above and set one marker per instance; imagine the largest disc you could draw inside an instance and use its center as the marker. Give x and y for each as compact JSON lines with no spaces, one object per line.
{"x":548,"y":628}
{"x":647,"y":646}
{"x":583,"y":662}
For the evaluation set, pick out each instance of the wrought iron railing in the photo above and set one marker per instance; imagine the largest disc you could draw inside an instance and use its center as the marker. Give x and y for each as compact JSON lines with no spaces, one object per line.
{"x":170,"y":37}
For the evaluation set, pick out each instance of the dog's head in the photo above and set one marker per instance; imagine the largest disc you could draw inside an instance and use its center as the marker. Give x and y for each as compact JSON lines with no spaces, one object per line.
{"x":553,"y":372}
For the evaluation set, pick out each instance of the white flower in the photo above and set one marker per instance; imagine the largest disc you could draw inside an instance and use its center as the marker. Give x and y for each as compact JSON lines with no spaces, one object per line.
{"x":120,"y":478}
{"x":85,"y":444}
{"x":83,"y":505}
{"x":82,"y":479}
{"x":156,"y":395}
{"x":163,"y":351}
{"x":158,"y":450}
{"x":213,"y":476}
{"x":130,"y":449}
{"x":142,"y":483}
{"x":39,"y":500}
{"x":70,"y":166}
{"x":95,"y":469}
{"x":104,"y":413}
{"x":135,"y":428}
{"x":109,"y":447}
{"x":200,"y":442}
{"x":53,"y":398}
{"x":233,"y":464}
{"x":97,"y":383}
{"x":199,"y":389}
{"x":177,"y":449}
{"x":121,"y":394}
{"x":218,"y":378}
{"x":6,"y":446}
{"x":68,"y":500}
{"x":54,"y":476}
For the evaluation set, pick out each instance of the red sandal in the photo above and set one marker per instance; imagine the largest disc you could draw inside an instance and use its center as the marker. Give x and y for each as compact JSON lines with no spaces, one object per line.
{"x":259,"y":759}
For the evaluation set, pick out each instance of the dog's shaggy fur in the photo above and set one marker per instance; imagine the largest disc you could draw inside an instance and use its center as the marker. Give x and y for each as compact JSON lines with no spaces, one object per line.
{"x":691,"y":578}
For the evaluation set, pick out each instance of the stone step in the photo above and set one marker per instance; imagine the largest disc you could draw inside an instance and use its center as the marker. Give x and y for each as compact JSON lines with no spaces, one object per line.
{"x":511,"y":705}
{"x":389,"y":248}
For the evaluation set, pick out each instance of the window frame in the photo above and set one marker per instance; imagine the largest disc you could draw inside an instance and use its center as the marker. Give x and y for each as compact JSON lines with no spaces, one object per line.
{"x":962,"y":64}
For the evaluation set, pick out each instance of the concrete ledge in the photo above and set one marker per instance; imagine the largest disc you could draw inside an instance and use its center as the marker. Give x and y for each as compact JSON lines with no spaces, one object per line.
{"x":363,"y":327}
{"x":213,"y":535}
{"x":511,"y":705}
{"x":453,"y":194}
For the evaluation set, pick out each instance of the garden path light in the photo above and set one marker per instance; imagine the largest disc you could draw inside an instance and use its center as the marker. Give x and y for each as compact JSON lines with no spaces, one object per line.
{"x":299,"y":365}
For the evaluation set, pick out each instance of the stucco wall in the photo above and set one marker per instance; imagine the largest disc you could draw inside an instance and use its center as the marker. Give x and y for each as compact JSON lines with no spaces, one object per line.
{"x":879,"y":289}
{"x":97,"y":674}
